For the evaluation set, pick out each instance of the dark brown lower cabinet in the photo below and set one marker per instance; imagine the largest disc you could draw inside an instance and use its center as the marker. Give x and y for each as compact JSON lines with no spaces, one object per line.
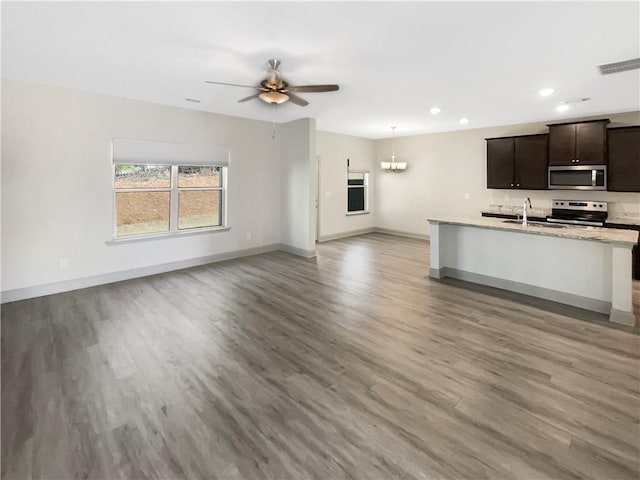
{"x":517,"y":162}
{"x":624,"y":159}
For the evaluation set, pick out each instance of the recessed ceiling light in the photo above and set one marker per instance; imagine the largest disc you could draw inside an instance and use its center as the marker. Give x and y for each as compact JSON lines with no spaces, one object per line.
{"x":434,"y":110}
{"x":545,"y":92}
{"x":464,"y":121}
{"x":563,"y":107}
{"x":194,"y":100}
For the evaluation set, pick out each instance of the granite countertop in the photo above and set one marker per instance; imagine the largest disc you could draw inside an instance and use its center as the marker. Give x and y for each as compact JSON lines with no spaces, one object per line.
{"x":514,"y":210}
{"x":624,"y":220}
{"x":607,"y":235}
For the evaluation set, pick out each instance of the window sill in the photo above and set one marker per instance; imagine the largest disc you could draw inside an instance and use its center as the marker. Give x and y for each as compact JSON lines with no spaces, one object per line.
{"x":161,"y":236}
{"x":362,"y":212}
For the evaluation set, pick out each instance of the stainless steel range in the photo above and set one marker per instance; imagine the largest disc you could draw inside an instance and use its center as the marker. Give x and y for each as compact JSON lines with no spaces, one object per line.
{"x":578,"y":212}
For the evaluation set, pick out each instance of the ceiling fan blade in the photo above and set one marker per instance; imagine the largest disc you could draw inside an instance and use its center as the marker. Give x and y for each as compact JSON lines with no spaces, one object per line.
{"x":232,"y":84}
{"x":250,"y":97}
{"x":297,"y":100}
{"x":312,"y":88}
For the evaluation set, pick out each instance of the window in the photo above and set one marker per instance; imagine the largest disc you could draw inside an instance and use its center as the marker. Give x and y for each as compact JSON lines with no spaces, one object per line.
{"x":357,"y":185}
{"x":156,"y":199}
{"x":167,"y":188}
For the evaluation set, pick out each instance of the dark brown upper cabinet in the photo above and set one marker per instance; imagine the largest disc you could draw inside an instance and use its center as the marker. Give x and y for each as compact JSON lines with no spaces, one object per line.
{"x":500,"y":163}
{"x":517,"y":162}
{"x":583,"y":143}
{"x":624,"y":159}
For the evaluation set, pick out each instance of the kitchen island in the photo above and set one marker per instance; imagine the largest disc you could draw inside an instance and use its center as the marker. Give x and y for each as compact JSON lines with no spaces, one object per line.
{"x":586,"y":267}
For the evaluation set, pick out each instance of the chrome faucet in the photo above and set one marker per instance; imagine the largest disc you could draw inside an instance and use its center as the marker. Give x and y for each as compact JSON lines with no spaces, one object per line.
{"x":524,"y":211}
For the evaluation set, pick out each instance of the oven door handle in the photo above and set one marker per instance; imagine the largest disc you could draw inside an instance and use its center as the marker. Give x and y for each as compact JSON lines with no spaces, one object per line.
{"x":575,"y":222}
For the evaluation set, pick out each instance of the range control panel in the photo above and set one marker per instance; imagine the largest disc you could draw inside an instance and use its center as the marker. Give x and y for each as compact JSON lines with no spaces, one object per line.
{"x":590,"y":206}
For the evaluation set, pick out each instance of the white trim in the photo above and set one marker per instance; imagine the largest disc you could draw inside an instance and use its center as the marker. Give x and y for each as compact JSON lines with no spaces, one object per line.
{"x":352,"y":233}
{"x":78,"y":283}
{"x":300,"y":252}
{"x":105,"y":278}
{"x":401,"y":233}
{"x":622,"y":318}
{"x":161,"y":236}
{"x":359,"y":212}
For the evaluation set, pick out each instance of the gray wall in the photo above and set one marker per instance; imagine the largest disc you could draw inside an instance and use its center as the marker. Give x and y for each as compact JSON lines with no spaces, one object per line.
{"x":57,"y":182}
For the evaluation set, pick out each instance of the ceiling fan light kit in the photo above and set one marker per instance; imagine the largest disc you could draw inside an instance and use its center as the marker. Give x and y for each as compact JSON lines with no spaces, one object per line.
{"x":275,"y":91}
{"x":393,"y":166}
{"x":273,"y":97}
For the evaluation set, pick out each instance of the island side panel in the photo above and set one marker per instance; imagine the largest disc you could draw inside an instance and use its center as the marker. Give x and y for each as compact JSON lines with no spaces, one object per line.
{"x":571,"y":271}
{"x":434,"y":250}
{"x":621,"y":301}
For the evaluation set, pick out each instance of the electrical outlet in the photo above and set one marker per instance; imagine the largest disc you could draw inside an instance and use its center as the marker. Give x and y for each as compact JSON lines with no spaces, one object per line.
{"x":507,"y":198}
{"x":327,"y":194}
{"x":248,"y":236}
{"x":466,"y":196}
{"x":63,"y":263}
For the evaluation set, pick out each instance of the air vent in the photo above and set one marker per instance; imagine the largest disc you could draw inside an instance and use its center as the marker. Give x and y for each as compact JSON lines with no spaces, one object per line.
{"x":617,"y":67}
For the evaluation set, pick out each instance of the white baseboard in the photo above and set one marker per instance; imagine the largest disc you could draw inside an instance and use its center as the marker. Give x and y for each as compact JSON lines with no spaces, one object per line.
{"x":14,"y":295}
{"x":401,"y":233}
{"x":578,"y":301}
{"x":364,"y":231}
{"x":78,"y":283}
{"x":351,"y":233}
{"x":296,"y":251}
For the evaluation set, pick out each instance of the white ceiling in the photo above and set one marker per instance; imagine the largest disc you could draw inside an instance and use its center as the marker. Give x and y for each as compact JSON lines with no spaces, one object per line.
{"x":393,"y":61}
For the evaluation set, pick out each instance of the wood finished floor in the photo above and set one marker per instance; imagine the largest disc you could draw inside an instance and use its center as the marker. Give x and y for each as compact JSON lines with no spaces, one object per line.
{"x":351,"y":365}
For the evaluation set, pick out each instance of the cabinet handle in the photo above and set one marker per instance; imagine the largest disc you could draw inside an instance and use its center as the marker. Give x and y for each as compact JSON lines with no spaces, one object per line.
{"x":577,"y":161}
{"x":517,"y":185}
{"x":512,"y":184}
{"x":573,"y":161}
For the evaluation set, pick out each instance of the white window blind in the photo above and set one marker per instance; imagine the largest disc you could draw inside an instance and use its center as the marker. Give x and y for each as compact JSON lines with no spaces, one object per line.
{"x":137,"y":152}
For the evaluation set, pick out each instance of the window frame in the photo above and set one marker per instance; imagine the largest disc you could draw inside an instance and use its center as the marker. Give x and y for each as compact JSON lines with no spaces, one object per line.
{"x":174,"y":206}
{"x":364,"y":186}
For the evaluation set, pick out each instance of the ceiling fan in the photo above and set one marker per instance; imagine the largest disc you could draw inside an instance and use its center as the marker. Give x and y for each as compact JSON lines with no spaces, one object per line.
{"x":275,"y":90}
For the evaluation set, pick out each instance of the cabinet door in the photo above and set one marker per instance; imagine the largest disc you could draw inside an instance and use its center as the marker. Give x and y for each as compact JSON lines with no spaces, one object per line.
{"x":531,"y":162}
{"x":591,"y":143}
{"x":624,"y":159}
{"x":562,"y":144}
{"x":500,"y":163}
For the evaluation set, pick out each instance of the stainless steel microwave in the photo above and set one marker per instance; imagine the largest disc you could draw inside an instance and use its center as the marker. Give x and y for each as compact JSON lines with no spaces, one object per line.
{"x":578,"y":177}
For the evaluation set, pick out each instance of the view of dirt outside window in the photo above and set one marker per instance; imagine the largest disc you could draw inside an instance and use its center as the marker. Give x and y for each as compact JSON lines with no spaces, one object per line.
{"x":144,"y":195}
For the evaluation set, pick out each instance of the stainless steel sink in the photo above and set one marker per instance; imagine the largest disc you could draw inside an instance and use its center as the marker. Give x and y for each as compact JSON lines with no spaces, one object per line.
{"x":536,"y":224}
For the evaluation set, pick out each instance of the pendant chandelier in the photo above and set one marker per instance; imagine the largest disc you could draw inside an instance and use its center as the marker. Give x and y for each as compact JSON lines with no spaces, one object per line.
{"x":393,"y":166}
